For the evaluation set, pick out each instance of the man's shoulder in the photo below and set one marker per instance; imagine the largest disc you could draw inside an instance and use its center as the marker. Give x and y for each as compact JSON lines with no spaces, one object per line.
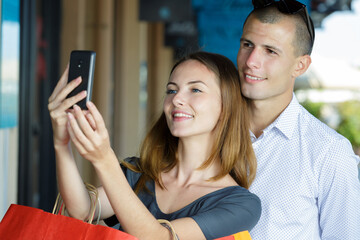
{"x":312,"y":127}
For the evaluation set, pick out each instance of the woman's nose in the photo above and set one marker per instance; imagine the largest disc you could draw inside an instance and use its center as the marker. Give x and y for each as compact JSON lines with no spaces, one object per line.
{"x":178,"y":99}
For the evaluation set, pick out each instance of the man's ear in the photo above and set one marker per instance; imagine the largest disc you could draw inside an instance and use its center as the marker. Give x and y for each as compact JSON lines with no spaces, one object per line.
{"x":303,"y":63}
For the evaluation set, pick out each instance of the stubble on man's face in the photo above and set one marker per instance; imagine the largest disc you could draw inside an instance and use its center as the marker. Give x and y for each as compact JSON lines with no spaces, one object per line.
{"x":266,"y":60}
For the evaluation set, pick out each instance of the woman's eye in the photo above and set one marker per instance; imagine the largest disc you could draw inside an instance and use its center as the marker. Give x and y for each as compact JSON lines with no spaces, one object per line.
{"x":170,"y":91}
{"x":196,"y":90}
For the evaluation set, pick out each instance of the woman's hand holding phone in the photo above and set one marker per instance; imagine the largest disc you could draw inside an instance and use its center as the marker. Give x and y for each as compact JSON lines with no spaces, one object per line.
{"x":89,"y":134}
{"x":74,"y":86}
{"x":59,"y":105}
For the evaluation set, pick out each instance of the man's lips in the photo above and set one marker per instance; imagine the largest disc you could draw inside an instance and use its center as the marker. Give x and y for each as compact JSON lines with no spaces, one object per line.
{"x":251,"y":78}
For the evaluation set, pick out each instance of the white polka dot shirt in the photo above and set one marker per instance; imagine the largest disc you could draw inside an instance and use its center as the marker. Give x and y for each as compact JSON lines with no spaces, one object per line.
{"x":307,"y":180}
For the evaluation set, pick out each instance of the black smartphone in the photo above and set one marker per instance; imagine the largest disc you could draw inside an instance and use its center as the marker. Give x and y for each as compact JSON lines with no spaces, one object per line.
{"x":82,"y":63}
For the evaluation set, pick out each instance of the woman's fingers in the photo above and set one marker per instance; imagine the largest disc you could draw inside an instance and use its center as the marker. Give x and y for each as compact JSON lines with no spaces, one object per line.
{"x":83,"y":123}
{"x":60,"y":98}
{"x":59,"y":105}
{"x":99,"y":121}
{"x":95,"y":131}
{"x":61,"y":84}
{"x":80,"y":140}
{"x":91,"y":120}
{"x":88,"y":133}
{"x":58,"y":109}
{"x":73,"y":136}
{"x":62,"y":90}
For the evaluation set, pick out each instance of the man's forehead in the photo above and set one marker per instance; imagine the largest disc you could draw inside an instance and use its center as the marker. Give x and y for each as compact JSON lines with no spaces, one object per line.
{"x":278,"y":35}
{"x":282,"y":26}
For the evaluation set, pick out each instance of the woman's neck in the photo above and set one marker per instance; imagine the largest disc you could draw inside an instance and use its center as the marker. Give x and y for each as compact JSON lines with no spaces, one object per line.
{"x":192,"y":153}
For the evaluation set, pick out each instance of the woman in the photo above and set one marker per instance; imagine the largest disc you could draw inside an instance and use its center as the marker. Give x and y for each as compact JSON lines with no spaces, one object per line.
{"x":195,"y":164}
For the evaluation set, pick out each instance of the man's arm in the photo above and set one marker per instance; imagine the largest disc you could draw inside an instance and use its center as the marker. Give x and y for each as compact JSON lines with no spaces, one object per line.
{"x":339,"y":193}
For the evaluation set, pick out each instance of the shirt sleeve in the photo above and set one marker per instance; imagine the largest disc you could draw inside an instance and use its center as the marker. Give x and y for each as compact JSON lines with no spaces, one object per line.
{"x":339,"y":193}
{"x":236,"y":212}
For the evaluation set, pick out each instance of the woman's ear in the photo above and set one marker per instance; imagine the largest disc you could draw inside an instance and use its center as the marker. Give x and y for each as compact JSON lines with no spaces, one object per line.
{"x":303,"y":63}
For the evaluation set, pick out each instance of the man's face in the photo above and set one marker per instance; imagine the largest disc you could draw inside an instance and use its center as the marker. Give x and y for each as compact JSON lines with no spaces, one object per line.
{"x":266,"y":60}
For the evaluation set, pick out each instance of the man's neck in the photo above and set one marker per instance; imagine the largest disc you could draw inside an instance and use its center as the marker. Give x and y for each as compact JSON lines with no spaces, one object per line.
{"x":265,"y":112}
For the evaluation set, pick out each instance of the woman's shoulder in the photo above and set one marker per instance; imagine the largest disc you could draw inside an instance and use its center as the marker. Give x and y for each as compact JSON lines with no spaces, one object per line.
{"x":227,"y":211}
{"x":236,"y":194}
{"x":232,"y":198}
{"x":131,"y":160}
{"x":129,"y":166}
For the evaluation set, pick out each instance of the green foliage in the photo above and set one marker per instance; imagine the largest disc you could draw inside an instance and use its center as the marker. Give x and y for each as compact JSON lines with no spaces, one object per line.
{"x":313,"y":108}
{"x":349,"y":125}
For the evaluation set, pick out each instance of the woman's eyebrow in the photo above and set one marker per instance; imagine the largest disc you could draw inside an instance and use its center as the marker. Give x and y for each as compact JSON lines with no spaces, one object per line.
{"x":171,"y":83}
{"x":189,"y":83}
{"x":196,"y":81}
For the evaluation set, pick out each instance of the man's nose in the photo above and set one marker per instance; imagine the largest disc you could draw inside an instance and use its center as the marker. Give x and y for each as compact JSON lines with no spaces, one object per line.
{"x":254,"y":59}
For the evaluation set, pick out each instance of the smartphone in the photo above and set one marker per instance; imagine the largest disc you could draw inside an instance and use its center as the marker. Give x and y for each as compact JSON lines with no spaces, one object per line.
{"x":82,"y":63}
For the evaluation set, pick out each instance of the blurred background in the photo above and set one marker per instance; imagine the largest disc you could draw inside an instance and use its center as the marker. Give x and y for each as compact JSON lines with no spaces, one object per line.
{"x":137,"y":42}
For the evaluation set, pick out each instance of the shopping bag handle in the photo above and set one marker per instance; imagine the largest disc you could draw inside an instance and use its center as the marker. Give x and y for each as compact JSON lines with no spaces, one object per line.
{"x":59,"y":206}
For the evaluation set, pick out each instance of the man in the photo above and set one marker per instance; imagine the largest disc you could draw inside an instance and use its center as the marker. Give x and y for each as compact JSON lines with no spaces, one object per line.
{"x":307,"y":177}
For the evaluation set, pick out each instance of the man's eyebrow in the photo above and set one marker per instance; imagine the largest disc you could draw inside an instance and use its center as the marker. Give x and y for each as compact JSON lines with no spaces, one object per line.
{"x":274,"y":48}
{"x":244,"y":40}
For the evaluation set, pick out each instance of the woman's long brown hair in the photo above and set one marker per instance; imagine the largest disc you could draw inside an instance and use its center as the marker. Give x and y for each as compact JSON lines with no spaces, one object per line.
{"x":232,"y":144}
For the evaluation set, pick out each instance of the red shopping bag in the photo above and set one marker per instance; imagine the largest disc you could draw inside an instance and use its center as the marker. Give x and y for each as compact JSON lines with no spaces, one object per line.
{"x":27,"y":223}
{"x":245,"y":235}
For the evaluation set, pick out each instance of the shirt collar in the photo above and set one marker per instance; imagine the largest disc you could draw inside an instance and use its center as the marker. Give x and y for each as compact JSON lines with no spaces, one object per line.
{"x":287,"y":121}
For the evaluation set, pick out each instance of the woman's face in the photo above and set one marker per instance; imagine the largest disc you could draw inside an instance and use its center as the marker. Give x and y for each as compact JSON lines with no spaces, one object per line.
{"x":193,"y":100}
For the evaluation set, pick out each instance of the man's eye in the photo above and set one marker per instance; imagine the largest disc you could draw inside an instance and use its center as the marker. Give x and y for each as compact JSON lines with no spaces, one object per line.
{"x":247,"y":44}
{"x":271,"y":51}
{"x":170,"y":91}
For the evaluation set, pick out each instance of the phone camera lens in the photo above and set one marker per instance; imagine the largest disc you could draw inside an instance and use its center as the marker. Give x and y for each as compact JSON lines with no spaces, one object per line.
{"x":80,"y":63}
